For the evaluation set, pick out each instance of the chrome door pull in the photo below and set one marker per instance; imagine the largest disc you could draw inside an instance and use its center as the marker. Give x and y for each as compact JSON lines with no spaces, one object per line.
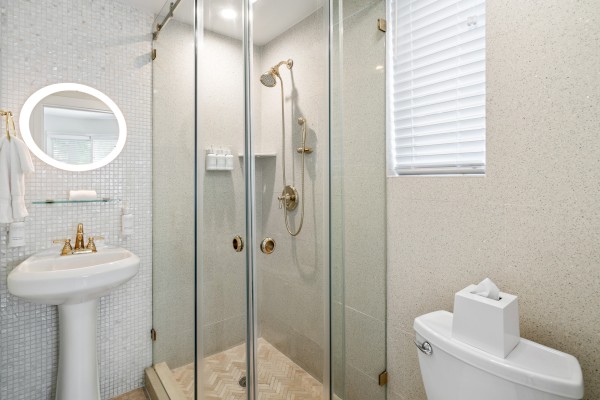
{"x":425,"y":348}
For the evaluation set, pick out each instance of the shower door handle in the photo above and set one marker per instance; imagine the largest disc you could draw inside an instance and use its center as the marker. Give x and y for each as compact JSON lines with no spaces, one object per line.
{"x":267,"y":246}
{"x":238,"y":243}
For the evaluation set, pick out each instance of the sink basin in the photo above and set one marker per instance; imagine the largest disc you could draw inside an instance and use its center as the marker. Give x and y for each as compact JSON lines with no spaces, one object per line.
{"x":74,"y":283}
{"x":49,"y":278}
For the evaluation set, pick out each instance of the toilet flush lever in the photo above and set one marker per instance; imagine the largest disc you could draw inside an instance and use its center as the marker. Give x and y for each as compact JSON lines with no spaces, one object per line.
{"x":425,"y":348}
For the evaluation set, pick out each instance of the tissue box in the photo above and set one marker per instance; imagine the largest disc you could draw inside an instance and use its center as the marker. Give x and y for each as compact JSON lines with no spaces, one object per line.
{"x":490,"y":325}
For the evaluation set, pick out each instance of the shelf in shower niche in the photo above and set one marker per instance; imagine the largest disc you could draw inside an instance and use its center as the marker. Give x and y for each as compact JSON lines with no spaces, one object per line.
{"x":260,"y":155}
{"x":50,"y":201}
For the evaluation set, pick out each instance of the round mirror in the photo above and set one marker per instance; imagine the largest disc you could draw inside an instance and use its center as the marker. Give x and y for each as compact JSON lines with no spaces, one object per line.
{"x":73,"y":127}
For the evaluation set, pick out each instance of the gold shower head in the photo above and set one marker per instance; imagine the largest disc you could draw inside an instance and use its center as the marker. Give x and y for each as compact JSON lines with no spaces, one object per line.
{"x":268,"y":78}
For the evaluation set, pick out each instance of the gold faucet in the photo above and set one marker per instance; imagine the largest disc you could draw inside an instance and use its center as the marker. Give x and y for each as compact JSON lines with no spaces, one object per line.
{"x":80,"y":246}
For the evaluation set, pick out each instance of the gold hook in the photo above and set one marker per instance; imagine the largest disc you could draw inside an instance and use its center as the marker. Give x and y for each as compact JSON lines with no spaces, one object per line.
{"x":8,"y":120}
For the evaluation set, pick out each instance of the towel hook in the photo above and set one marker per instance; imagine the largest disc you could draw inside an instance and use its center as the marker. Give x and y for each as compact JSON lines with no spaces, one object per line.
{"x":8,"y":121}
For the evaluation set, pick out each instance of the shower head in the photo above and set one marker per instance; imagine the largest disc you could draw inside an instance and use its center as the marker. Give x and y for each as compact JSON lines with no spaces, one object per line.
{"x":268,"y":78}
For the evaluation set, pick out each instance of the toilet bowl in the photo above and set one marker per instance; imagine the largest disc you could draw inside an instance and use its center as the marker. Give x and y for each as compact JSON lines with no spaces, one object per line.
{"x":453,"y":370}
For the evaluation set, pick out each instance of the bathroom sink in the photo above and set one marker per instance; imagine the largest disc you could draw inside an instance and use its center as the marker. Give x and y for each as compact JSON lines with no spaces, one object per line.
{"x":74,"y":283}
{"x":49,"y":278}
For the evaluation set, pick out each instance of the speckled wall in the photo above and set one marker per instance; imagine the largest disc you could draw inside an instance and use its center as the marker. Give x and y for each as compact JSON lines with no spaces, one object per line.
{"x":532,"y":224}
{"x":106,"y":45}
{"x":222,"y":212}
{"x":291,"y":280}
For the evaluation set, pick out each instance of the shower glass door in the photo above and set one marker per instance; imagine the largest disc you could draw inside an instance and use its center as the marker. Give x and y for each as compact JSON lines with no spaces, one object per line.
{"x":222,"y":234}
{"x":262,"y":172}
{"x":289,"y":85}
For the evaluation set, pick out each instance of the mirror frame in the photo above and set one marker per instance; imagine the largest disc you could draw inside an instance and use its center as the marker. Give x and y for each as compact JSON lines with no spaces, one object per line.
{"x":38,"y":96}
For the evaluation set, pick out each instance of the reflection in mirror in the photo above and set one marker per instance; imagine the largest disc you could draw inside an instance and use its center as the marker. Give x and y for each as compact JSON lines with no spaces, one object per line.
{"x":73,"y":127}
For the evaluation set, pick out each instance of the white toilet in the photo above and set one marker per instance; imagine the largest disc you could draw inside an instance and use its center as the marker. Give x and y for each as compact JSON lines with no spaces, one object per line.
{"x":453,"y":370}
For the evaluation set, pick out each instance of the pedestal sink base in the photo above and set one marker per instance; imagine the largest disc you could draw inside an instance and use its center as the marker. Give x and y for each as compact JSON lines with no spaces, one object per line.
{"x":74,"y":283}
{"x":77,"y":361}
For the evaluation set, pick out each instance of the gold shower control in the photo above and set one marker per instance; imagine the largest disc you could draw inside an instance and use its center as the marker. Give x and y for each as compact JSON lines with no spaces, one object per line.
{"x":238,"y":243}
{"x":267,"y":246}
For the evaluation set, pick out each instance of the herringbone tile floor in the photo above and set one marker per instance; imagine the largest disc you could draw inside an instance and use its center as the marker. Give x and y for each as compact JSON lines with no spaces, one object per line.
{"x":279,"y":378}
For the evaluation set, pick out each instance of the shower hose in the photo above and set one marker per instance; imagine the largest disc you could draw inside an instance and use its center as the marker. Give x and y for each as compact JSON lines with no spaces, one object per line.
{"x":302,"y":122}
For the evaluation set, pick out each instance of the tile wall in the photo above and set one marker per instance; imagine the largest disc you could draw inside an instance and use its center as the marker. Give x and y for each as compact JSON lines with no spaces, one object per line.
{"x":532,"y":223}
{"x":106,"y":45}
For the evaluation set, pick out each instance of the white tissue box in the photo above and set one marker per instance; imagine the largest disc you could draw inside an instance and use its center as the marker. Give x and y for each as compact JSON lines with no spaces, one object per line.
{"x":490,"y":325}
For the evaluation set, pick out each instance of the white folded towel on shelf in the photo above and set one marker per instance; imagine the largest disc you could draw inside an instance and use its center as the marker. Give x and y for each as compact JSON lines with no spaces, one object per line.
{"x":487,"y":288}
{"x":15,"y":162}
{"x":83,"y":195}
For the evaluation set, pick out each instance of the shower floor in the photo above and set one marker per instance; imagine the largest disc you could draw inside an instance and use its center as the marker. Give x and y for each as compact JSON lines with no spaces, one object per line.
{"x":279,"y":377}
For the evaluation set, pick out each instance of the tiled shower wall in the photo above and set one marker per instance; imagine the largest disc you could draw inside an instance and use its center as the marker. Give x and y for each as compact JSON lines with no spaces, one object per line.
{"x":106,"y":45}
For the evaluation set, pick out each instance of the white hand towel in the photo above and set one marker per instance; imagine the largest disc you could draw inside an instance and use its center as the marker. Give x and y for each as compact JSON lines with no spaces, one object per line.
{"x":487,"y":288}
{"x":20,"y":163}
{"x":5,"y":198}
{"x":24,"y":156}
{"x":83,"y":195}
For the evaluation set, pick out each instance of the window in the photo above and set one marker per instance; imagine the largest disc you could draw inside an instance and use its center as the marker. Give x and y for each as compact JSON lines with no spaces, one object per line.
{"x":436,"y":87}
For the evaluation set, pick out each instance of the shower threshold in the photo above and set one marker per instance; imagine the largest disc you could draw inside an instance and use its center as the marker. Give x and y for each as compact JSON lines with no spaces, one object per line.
{"x":278,"y":376}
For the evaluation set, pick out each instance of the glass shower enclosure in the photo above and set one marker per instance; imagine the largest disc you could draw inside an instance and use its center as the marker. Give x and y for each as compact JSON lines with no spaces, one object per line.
{"x":250,"y":183}
{"x":262,"y":176}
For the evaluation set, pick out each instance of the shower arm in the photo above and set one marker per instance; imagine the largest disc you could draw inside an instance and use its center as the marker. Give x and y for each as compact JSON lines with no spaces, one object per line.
{"x":288,"y":63}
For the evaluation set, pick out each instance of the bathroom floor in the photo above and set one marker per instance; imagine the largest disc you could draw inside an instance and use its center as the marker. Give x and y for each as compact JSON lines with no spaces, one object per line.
{"x":138,"y":394}
{"x":279,"y":377}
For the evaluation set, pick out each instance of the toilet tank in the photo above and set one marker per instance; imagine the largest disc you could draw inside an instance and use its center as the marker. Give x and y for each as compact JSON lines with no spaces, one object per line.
{"x":457,"y":371}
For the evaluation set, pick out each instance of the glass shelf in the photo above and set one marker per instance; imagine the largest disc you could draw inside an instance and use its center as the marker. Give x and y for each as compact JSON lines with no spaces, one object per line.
{"x":73,"y":201}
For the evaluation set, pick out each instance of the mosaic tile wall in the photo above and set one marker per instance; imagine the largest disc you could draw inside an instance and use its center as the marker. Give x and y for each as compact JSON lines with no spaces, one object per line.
{"x":104,"y":44}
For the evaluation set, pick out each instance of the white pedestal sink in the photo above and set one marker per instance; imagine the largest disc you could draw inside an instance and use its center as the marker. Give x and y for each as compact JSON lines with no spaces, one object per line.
{"x":74,"y":283}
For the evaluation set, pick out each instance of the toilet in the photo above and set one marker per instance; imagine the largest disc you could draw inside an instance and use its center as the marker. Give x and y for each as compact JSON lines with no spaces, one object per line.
{"x":453,"y":370}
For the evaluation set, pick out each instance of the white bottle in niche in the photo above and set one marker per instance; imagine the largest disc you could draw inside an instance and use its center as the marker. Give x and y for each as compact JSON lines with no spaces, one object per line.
{"x":211,"y":159}
{"x":221,"y":158}
{"x":228,"y":159}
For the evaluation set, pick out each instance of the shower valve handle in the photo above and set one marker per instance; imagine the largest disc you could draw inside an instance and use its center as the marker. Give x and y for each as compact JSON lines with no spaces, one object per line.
{"x":282,"y":199}
{"x":285,"y":199}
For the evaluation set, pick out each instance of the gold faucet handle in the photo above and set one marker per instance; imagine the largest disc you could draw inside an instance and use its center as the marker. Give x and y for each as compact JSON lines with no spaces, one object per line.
{"x":91,"y":245}
{"x":67,"y":248}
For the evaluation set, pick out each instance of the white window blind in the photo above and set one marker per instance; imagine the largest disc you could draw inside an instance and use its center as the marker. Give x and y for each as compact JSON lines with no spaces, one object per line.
{"x":436,"y":100}
{"x":80,"y":149}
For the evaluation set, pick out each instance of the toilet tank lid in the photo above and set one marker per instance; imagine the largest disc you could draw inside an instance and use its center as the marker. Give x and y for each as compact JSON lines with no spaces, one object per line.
{"x":529,"y":364}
